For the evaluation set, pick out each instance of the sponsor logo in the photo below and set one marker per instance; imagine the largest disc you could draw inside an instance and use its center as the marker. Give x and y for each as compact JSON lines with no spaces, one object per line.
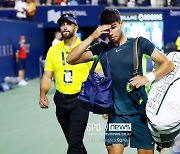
{"x":6,"y":50}
{"x":142,"y":17}
{"x":174,"y":13}
{"x":117,"y":50}
{"x":154,"y":104}
{"x":53,"y":16}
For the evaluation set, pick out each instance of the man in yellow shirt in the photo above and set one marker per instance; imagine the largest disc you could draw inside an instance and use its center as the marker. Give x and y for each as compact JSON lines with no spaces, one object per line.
{"x":68,"y":79}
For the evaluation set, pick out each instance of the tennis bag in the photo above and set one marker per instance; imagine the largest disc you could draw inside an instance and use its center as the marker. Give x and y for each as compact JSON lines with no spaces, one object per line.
{"x":96,"y":91}
{"x":163,"y":105}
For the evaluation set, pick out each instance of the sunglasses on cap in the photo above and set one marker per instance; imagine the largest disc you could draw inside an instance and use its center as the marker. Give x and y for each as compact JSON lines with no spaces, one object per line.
{"x":67,"y":16}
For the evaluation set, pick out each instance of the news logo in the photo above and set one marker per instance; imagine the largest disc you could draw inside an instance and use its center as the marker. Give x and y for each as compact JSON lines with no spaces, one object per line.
{"x":119,"y":127}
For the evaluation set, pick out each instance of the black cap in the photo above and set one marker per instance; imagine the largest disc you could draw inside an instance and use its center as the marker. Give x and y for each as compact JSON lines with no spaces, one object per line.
{"x":67,"y":16}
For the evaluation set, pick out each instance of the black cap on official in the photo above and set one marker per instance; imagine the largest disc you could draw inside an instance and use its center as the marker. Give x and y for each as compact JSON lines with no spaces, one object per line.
{"x":67,"y":16}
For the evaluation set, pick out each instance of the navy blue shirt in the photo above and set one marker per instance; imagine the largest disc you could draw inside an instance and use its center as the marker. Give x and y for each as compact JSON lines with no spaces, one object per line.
{"x":121,"y":66}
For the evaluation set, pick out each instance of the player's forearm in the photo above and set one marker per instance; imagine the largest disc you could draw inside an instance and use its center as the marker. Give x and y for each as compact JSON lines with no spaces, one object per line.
{"x":77,"y":52}
{"x":164,"y":64}
{"x":163,"y":69}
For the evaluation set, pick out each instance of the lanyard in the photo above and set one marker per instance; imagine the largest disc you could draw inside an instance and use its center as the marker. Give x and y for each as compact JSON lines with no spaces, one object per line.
{"x":65,"y":66}
{"x":67,"y":72}
{"x":63,"y":59}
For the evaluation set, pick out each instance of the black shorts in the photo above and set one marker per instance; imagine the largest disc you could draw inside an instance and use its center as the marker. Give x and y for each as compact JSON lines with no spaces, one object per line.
{"x":21,"y":64}
{"x":125,"y":129}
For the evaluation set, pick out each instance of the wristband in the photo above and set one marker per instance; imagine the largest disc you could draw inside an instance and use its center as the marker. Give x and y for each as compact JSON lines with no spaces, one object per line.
{"x":150,"y":76}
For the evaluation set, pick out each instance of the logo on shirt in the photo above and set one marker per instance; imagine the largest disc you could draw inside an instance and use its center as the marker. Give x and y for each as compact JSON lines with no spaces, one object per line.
{"x":117,"y":50}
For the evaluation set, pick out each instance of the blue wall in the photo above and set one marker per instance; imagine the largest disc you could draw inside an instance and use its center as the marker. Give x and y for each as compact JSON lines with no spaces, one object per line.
{"x":86,"y":15}
{"x":46,"y":17}
{"x":171,"y":24}
{"x":9,"y":38}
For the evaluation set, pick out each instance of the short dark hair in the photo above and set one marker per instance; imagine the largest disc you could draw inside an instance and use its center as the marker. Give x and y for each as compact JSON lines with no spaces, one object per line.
{"x":109,"y":15}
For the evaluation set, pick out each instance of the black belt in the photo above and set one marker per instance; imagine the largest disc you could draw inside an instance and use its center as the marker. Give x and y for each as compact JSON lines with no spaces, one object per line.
{"x":67,"y":96}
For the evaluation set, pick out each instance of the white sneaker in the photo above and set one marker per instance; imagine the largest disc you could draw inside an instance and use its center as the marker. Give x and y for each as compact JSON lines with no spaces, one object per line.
{"x":22,"y":83}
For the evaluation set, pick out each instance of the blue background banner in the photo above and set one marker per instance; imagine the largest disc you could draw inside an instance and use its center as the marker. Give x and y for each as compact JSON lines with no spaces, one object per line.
{"x":87,"y":16}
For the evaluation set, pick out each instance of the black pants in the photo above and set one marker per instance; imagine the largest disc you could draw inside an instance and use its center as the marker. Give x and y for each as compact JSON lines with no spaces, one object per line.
{"x":73,"y":120}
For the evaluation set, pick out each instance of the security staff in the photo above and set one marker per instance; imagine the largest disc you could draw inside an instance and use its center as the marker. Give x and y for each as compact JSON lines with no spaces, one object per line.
{"x":68,"y":79}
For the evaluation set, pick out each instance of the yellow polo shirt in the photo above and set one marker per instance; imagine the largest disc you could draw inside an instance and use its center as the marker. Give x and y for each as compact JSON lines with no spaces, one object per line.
{"x":178,"y":43}
{"x":68,"y":78}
